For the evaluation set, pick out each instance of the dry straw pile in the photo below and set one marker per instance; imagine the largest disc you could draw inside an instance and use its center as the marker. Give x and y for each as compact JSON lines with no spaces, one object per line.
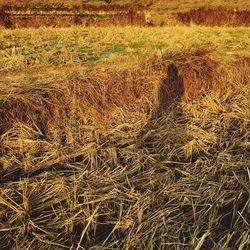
{"x":85,"y":165}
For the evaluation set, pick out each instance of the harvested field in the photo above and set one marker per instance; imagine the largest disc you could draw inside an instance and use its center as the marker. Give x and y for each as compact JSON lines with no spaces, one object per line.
{"x":28,"y":15}
{"x":89,"y":18}
{"x":32,"y":50}
{"x":86,"y":20}
{"x":73,"y":9}
{"x":123,"y":137}
{"x":85,"y":156}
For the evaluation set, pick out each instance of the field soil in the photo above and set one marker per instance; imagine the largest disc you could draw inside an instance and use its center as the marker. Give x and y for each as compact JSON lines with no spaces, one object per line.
{"x":215,"y":17}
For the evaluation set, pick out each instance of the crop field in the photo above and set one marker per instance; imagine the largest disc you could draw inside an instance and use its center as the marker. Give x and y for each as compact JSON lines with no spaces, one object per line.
{"x":125,"y":133}
{"x":120,"y":12}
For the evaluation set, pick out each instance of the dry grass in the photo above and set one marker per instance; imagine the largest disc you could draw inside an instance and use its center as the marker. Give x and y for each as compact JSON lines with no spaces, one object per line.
{"x":116,"y":47}
{"x":88,"y":162}
{"x":84,"y":165}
